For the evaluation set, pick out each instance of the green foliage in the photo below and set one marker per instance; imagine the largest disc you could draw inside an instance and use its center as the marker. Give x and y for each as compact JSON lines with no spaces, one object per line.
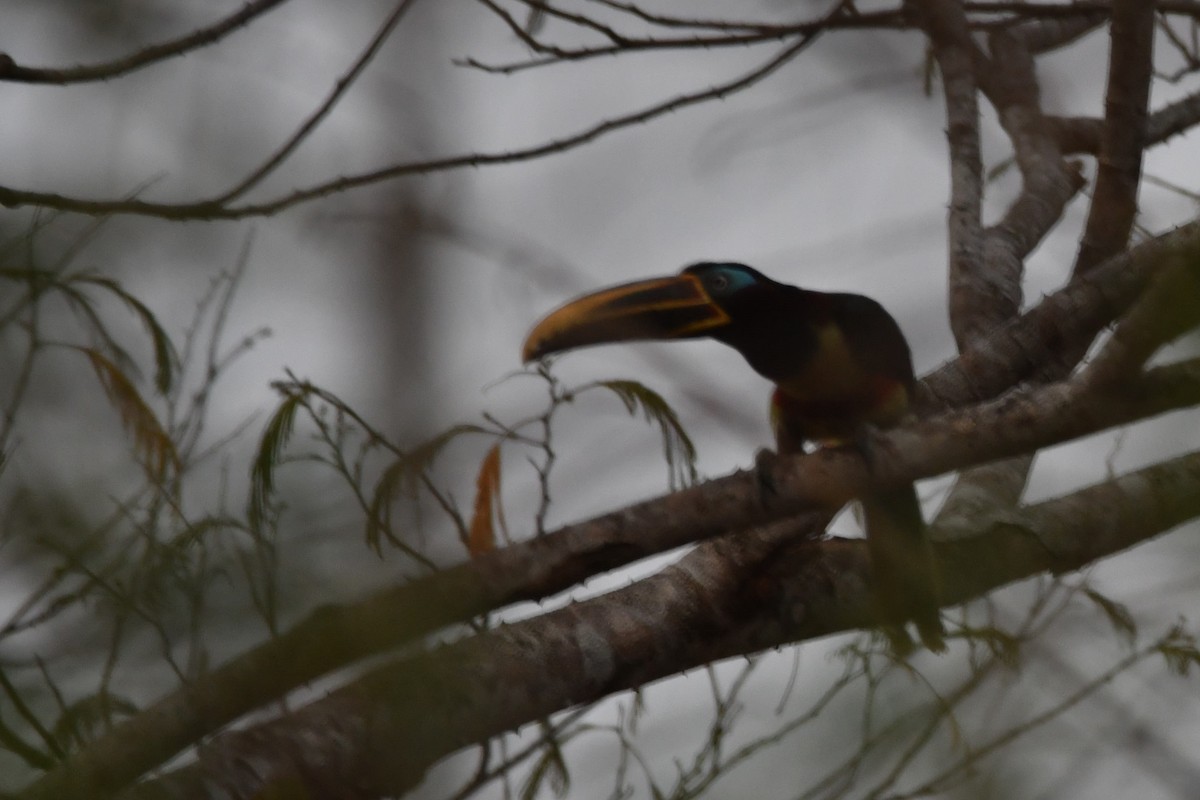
{"x":381,"y":473}
{"x":404,"y":477}
{"x":1116,"y":613}
{"x":678,"y":450}
{"x":73,"y":287}
{"x":116,"y":369}
{"x":1179,"y":650}
{"x":90,"y":716}
{"x":276,"y":434}
{"x":106,"y":561}
{"x":165,"y":359}
{"x":151,"y":442}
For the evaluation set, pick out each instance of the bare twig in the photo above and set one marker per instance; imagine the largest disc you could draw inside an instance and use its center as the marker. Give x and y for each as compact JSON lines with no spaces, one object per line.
{"x":12,"y":71}
{"x":1165,"y":311}
{"x":214,"y":209}
{"x":339,"y":90}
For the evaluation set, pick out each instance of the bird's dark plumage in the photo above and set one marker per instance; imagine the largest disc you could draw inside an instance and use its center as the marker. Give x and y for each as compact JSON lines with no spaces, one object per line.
{"x":840,"y":365}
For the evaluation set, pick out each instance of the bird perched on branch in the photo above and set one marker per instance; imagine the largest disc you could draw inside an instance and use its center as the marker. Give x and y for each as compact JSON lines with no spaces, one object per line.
{"x":840,"y":366}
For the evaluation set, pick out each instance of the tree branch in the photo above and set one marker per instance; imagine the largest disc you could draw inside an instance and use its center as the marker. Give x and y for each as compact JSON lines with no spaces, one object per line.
{"x":1082,"y":134}
{"x":10,"y":70}
{"x":1165,"y":311}
{"x":736,"y":595}
{"x":957,"y":56}
{"x":1070,"y":317}
{"x":214,"y":209}
{"x":339,"y":90}
{"x":1047,"y":184}
{"x":1114,"y":201}
{"x":729,"y":34}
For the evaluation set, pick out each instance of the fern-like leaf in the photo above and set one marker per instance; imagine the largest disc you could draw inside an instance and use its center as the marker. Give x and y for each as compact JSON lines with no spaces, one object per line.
{"x":164,"y":352}
{"x":1117,"y":614}
{"x":152,"y":445}
{"x":85,"y":719}
{"x":678,"y":449}
{"x":403,"y":478}
{"x":270,"y":452}
{"x":1179,"y":650}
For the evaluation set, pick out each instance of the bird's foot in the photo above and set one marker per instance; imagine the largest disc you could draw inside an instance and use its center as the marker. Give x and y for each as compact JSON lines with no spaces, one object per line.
{"x":932,"y":633}
{"x":899,"y":643}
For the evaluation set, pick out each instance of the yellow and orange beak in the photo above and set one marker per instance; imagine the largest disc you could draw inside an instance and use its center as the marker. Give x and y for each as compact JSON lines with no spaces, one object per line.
{"x":660,"y":308}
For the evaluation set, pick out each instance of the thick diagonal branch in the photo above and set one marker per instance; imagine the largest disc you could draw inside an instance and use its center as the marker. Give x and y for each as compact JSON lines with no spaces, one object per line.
{"x":730,"y":597}
{"x":826,"y":479}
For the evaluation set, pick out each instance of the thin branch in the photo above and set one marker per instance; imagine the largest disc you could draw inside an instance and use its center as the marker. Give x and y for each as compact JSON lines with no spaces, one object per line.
{"x":1166,"y":310}
{"x":1173,"y":119}
{"x":214,"y":209}
{"x":1082,"y":134}
{"x":1187,"y":51}
{"x":1042,"y":34}
{"x":668,"y":21}
{"x":1075,"y":8}
{"x":1042,"y":27}
{"x":579,"y":20}
{"x":339,"y":90}
{"x":741,"y":36}
{"x":970,"y":761}
{"x":107,"y":70}
{"x":1014,"y":12}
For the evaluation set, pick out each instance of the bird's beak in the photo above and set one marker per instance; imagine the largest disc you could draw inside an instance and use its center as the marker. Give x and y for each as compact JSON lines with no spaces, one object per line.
{"x":659,"y":308}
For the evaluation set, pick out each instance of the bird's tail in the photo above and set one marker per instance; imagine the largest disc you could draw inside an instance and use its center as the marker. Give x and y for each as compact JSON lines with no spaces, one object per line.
{"x":905,"y":578}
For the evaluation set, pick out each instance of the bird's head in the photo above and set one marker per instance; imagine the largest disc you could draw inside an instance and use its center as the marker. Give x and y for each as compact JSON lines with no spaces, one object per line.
{"x":709,"y":299}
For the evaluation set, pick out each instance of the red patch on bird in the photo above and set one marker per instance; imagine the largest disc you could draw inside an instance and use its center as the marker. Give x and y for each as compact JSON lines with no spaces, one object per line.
{"x":881,"y":402}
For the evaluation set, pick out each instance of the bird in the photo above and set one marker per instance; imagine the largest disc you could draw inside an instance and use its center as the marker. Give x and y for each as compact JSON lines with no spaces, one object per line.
{"x":841,"y":368}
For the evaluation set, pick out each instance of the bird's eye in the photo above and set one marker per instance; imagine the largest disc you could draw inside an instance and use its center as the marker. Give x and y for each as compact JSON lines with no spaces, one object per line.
{"x":718,"y":282}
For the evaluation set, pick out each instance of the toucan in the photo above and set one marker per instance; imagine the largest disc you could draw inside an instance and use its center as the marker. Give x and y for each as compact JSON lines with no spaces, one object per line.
{"x":840,"y":364}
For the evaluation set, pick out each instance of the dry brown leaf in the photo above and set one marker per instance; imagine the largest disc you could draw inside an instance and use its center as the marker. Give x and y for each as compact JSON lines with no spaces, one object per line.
{"x":482,"y":535}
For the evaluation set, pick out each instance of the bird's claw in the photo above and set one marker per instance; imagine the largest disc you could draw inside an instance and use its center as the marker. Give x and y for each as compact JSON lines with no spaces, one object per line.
{"x":899,"y":643}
